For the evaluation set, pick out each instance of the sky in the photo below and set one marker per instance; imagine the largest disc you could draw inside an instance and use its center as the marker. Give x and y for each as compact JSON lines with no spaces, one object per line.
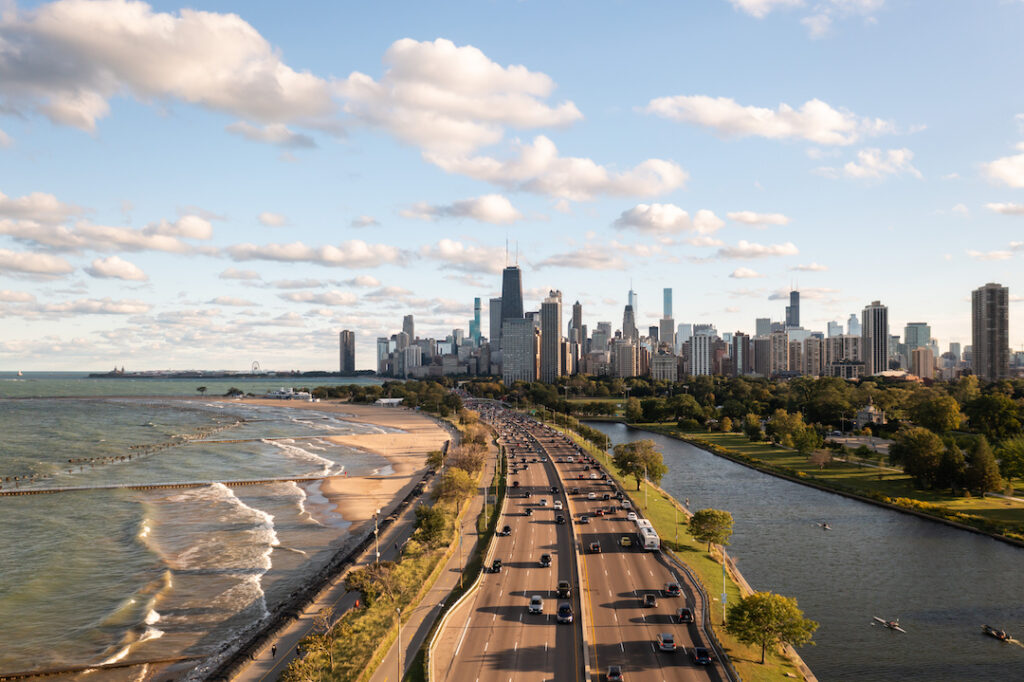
{"x":206,"y":186}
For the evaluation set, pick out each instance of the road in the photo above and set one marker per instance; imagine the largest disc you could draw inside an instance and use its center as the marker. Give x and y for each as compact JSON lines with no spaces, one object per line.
{"x":491,"y":635}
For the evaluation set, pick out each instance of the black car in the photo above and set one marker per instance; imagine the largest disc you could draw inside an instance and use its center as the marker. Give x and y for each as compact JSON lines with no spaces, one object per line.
{"x":684,"y":615}
{"x":554,"y":489}
{"x":507,"y":530}
{"x":564,"y":613}
{"x":496,"y":566}
{"x":614,"y":673}
{"x":529,"y":511}
{"x":649,"y":600}
{"x":672,"y":590}
{"x":564,"y":591}
{"x":700,"y":656}
{"x":560,"y":520}
{"x":545,"y":560}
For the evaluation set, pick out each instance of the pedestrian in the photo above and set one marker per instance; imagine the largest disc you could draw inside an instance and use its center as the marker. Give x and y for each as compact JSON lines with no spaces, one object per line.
{"x":273,"y":651}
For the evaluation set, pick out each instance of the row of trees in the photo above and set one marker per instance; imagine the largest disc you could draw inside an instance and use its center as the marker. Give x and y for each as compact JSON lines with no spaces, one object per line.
{"x":432,"y":396}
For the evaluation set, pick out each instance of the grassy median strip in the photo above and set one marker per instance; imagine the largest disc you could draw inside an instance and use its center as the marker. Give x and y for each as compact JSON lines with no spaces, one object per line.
{"x":663,"y":512}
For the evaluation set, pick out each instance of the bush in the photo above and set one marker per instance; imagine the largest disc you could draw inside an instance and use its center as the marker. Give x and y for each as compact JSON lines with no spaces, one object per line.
{"x":689,"y":425}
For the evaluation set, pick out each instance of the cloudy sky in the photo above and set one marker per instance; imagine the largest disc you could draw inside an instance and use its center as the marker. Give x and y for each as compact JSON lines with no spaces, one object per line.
{"x":190,"y":187}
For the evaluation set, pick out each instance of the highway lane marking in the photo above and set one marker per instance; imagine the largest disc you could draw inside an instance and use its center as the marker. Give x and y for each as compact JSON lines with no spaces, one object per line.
{"x":622,"y":647}
{"x":465,"y":629}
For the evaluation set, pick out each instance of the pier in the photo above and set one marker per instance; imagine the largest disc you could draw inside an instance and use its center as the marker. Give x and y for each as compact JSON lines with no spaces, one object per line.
{"x":87,"y":668}
{"x":158,"y":486}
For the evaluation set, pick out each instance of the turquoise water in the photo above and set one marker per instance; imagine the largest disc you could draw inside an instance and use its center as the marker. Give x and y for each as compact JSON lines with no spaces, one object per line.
{"x":99,"y":575}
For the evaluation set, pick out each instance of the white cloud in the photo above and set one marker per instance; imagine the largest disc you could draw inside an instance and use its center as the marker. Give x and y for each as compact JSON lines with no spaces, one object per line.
{"x":539,"y":169}
{"x":232,"y":301}
{"x":805,"y":293}
{"x":758,"y":219}
{"x":745,"y":273}
{"x":811,"y":267}
{"x":443,"y":97}
{"x":961,"y":209}
{"x":990,"y":255}
{"x":39,"y":207}
{"x":489,"y":208}
{"x":874,"y":164}
{"x":760,"y":8}
{"x":468,"y":258}
{"x":307,"y":283}
{"x":1006,"y":209}
{"x":162,"y":236}
{"x":362,"y":281}
{"x":815,"y":121}
{"x":67,"y":59}
{"x":587,"y":257}
{"x":33,"y":264}
{"x":388,"y":294}
{"x":354,"y":253}
{"x":1008,"y":170}
{"x":331,"y":298}
{"x":365,"y":221}
{"x":745,"y":249}
{"x":92,"y":306}
{"x":667,"y":219}
{"x":8,"y":296}
{"x":820,"y":22}
{"x":116,"y":268}
{"x":5,"y":140}
{"x":232,"y":273}
{"x":272,"y":219}
{"x":273,"y":133}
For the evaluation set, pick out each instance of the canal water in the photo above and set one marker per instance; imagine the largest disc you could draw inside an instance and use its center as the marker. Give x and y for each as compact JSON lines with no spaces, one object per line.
{"x":942,"y":583}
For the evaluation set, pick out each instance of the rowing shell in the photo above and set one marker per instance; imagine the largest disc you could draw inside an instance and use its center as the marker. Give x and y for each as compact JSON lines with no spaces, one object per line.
{"x":891,"y":624}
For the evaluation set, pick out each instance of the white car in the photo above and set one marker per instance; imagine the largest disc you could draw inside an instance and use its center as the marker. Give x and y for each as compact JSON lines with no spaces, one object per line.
{"x":536,"y":604}
{"x":631,"y":516}
{"x":626,"y":504}
{"x":594,"y":477}
{"x":543,"y":502}
{"x":591,"y":496}
{"x":570,"y":460}
{"x":557,"y":505}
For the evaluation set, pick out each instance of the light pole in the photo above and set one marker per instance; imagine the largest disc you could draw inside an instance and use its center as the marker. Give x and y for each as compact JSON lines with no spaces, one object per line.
{"x":645,"y":487}
{"x":462,"y":569}
{"x":376,"y":537}
{"x":723,"y":585}
{"x":399,"y":612}
{"x":676,"y":510}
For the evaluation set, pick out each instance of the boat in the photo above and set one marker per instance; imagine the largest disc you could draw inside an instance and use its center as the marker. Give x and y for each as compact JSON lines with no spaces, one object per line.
{"x":825,"y":526}
{"x":891,"y":624}
{"x":1001,"y":635}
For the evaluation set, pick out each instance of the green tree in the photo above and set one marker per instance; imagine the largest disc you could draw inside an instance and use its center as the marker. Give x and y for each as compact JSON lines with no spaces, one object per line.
{"x":684,"y":406}
{"x":952,"y":469}
{"x":202,"y":390}
{"x":768,"y":619}
{"x":1011,"y":458}
{"x":431,"y":524}
{"x":637,"y":458}
{"x":934,"y":410}
{"x":994,"y":415}
{"x":982,"y":471}
{"x":455,"y":486}
{"x":752,"y":427}
{"x":725,"y":425}
{"x":711,"y":526}
{"x":919,"y":452}
{"x":633,"y":410}
{"x":435,"y":459}
{"x":783,"y":427}
{"x":806,"y":440}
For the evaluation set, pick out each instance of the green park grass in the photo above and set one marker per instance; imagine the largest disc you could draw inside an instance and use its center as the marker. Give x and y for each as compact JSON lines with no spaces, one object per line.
{"x":886,"y":484}
{"x":663,"y":512}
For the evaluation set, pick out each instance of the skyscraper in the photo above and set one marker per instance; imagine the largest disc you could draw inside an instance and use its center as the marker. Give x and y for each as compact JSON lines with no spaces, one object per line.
{"x":409,"y":327}
{"x":875,"y":335}
{"x":520,"y":340}
{"x":474,"y":326}
{"x":629,"y":323}
{"x":347,"y":340}
{"x":577,"y":319}
{"x":916,"y":335}
{"x":633,"y":300}
{"x":551,"y":337}
{"x":853,"y":325}
{"x":762,"y":326}
{"x":511,"y":293}
{"x":793,"y":310}
{"x":990,"y":332}
{"x":835,"y":329}
{"x":494,"y":313}
{"x":667,"y":332}
{"x":666,"y":303}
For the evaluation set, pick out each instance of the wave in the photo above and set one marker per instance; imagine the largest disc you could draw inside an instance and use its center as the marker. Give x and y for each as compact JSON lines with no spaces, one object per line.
{"x":143,"y":630}
{"x":300,"y":502}
{"x":327,"y":467}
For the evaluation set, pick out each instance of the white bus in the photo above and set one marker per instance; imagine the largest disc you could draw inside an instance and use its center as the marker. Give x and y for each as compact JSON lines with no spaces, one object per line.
{"x":649,"y":539}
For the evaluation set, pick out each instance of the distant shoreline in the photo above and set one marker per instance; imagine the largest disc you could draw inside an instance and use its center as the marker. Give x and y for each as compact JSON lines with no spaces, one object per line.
{"x":201,"y":374}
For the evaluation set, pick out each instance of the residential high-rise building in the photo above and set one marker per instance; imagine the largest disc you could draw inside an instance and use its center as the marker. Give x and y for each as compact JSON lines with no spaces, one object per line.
{"x":922,"y":362}
{"x":684,"y":332}
{"x":577,"y":319}
{"x":702,"y":352}
{"x":474,"y":326}
{"x":778,"y":359}
{"x":875,"y":335}
{"x":761,"y":346}
{"x":629,"y":331}
{"x":954,"y":349}
{"x":742,"y":359}
{"x":793,"y":309}
{"x":990,"y":332}
{"x":347,"y":341}
{"x":494,"y":313}
{"x":551,"y":337}
{"x":409,"y":327}
{"x":835,"y":329}
{"x":511,"y":293}
{"x":520,"y":343}
{"x":624,"y":358}
{"x":667,"y":332}
{"x":916,"y":335}
{"x":383,"y":352}
{"x":762,"y":326}
{"x":814,"y":356}
{"x":853,"y":325}
{"x":666,"y":306}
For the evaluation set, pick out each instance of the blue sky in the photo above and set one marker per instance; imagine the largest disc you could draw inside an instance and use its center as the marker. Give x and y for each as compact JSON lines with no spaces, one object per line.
{"x":210,"y":185}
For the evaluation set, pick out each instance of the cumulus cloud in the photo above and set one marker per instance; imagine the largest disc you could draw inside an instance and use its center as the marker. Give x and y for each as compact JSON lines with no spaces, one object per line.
{"x":443,"y":97}
{"x":539,"y":169}
{"x":1008,"y":170}
{"x":467,"y":258}
{"x":805,"y":292}
{"x":364,"y":221}
{"x":307,"y":283}
{"x":5,"y":140}
{"x":354,"y":253}
{"x":388,"y":294}
{"x":761,"y":8}
{"x":489,"y":208}
{"x":758,"y":219}
{"x":231,"y":301}
{"x":273,"y":133}
{"x":232,"y":273}
{"x":66,"y":59}
{"x":588,"y":257}
{"x":815,"y":121}
{"x":93,"y":306}
{"x":362,"y":281}
{"x":823,"y":12}
{"x":272,"y":219}
{"x":330,"y":298}
{"x":990,"y":255}
{"x":1007,"y":208}
{"x":39,"y":207}
{"x":811,"y":267}
{"x":42,"y":264}
{"x":667,"y":219}
{"x":116,"y":268}
{"x":8,"y":296}
{"x":745,"y":249}
{"x":874,"y":164}
{"x":161,"y":236}
{"x":745,"y":273}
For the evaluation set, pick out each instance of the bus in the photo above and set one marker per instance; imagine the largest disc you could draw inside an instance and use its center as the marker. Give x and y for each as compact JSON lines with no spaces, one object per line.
{"x":648,"y":537}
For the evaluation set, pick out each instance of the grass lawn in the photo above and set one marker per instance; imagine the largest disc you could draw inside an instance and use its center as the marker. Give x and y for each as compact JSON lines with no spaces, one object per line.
{"x":662,"y":511}
{"x":875,"y":482}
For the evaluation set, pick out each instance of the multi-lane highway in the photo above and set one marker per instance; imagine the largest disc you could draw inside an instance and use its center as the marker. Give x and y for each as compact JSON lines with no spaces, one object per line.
{"x":621,"y":587}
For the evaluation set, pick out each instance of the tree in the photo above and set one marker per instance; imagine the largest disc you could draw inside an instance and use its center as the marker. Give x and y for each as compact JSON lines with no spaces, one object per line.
{"x":752,"y":427}
{"x":919,"y":451}
{"x":806,"y":440}
{"x":435,"y":459}
{"x":324,"y":635}
{"x":202,"y":390}
{"x":952,"y":469}
{"x":638,"y":458}
{"x":768,"y":619}
{"x":455,"y":486}
{"x":1011,"y":458}
{"x":934,"y":410}
{"x":633,"y":410}
{"x":725,"y":425}
{"x":783,"y":427}
{"x":711,"y":526}
{"x":994,"y":415}
{"x":982,"y":471}
{"x":431,"y":524}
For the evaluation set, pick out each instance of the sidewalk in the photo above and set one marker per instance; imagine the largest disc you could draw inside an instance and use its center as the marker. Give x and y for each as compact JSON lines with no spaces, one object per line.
{"x":426,"y":613}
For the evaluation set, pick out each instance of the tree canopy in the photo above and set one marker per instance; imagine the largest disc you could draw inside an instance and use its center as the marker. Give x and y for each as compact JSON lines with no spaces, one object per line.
{"x":768,"y":619}
{"x":711,"y":526}
{"x":637,"y":458}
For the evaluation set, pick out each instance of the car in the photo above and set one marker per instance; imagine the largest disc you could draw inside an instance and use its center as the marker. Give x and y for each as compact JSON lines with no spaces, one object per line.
{"x":507,"y":530}
{"x":672,"y":590}
{"x":544,"y":459}
{"x":545,"y":560}
{"x":591,"y":496}
{"x":557,"y":504}
{"x":595,"y":547}
{"x":569,"y":460}
{"x":631,"y":516}
{"x":684,"y":615}
{"x":584,"y":518}
{"x":563,"y":590}
{"x":614,"y":674}
{"x":600,"y":511}
{"x":536,"y":604}
{"x":554,"y":490}
{"x":496,"y":566}
{"x":543,"y":501}
{"x":560,"y":520}
{"x":626,"y":504}
{"x":649,"y":600}
{"x":700,"y":656}
{"x":626,"y":541}
{"x":619,"y":495}
{"x":515,"y":484}
{"x":564,"y":613}
{"x":666,"y":642}
{"x":527,"y":494}
{"x":606,"y":496}
{"x":594,"y":477}
{"x":575,"y":491}
{"x":529,"y":511}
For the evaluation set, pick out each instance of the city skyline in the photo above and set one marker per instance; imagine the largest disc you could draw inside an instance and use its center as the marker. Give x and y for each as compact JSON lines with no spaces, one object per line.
{"x":154,"y":218}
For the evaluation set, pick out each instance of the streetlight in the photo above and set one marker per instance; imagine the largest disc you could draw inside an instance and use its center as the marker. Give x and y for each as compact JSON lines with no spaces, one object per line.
{"x":399,"y":612}
{"x":376,"y":537}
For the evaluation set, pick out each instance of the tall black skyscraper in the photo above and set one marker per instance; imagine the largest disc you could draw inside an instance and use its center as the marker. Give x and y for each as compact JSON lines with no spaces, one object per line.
{"x":347,"y":340}
{"x":990,"y":335}
{"x":793,"y":310}
{"x":512,"y":293}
